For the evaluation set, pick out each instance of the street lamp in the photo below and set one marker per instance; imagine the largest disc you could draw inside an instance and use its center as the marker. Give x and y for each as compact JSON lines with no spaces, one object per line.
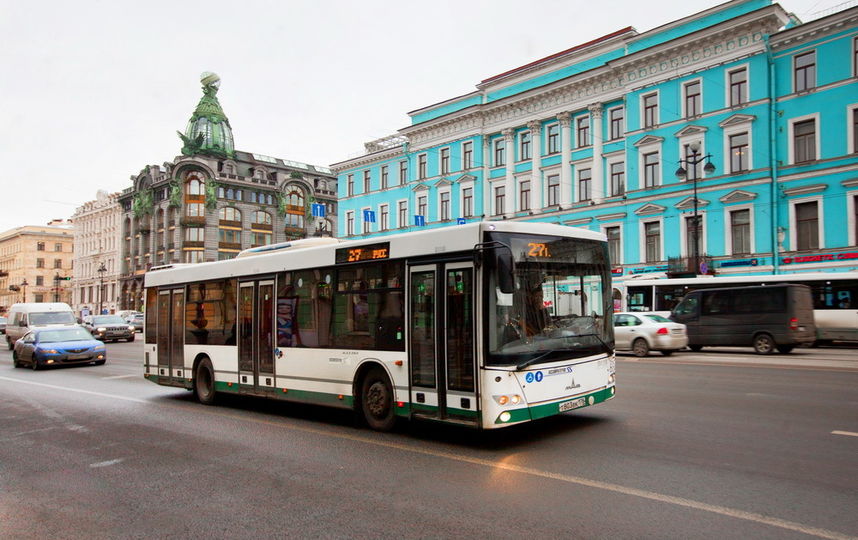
{"x":101,"y":270}
{"x":57,"y":287}
{"x":681,"y":173}
{"x":24,"y":288}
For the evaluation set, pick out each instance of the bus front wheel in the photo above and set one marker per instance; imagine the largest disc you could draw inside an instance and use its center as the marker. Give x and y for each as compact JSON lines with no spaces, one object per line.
{"x":764,"y":344}
{"x":204,"y":382}
{"x":377,"y":400}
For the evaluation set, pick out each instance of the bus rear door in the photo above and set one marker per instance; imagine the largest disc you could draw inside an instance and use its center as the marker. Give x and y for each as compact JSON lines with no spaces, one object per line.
{"x":171,"y":334}
{"x":256,"y":335}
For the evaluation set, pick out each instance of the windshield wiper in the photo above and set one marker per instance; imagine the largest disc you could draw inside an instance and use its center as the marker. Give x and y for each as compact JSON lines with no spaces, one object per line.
{"x":605,"y":345}
{"x":531,"y":361}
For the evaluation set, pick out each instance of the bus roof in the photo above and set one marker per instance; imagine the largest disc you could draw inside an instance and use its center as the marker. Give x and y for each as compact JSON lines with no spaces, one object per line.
{"x":455,"y":238}
{"x":726,"y":281}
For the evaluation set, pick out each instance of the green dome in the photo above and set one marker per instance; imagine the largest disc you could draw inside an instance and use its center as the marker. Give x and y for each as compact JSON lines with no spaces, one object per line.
{"x":208,"y":130}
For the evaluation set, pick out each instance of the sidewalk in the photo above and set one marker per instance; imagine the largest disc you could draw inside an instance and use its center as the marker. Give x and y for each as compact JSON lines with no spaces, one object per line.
{"x":836,"y":358}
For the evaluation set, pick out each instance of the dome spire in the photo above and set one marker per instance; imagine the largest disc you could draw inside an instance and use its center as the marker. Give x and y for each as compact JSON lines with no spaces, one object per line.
{"x":208,"y":130}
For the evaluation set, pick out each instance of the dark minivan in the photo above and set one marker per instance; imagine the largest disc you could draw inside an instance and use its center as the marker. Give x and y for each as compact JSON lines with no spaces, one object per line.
{"x":765,"y":317}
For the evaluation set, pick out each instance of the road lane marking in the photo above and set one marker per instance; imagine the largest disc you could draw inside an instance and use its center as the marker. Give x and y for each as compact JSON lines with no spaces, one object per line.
{"x":499,"y":465}
{"x":121,"y":376}
{"x":107,"y":463}
{"x":847,"y":433}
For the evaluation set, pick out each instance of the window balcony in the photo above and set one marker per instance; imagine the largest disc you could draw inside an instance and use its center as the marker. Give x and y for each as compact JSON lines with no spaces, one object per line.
{"x":193,"y":221}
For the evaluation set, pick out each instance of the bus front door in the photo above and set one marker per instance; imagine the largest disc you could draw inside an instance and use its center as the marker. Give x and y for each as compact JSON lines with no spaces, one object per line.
{"x":256,"y":335}
{"x":441,"y":342}
{"x":171,"y":334}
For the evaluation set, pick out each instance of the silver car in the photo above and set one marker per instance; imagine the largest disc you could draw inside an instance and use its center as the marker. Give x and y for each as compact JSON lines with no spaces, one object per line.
{"x":644,"y":332}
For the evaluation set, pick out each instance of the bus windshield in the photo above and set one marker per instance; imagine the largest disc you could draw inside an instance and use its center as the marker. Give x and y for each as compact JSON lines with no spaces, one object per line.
{"x":560,"y":307}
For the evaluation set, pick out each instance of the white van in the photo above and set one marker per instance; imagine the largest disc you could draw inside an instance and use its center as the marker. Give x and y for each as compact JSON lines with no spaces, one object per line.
{"x":24,"y":317}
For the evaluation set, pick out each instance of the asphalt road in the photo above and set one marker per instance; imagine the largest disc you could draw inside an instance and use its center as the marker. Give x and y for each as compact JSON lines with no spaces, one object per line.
{"x":709,"y":445}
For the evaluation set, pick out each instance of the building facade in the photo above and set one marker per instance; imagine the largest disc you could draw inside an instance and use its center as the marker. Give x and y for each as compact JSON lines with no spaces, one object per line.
{"x":95,"y":283}
{"x":214,"y":201}
{"x":36,"y":264}
{"x":725,"y":142}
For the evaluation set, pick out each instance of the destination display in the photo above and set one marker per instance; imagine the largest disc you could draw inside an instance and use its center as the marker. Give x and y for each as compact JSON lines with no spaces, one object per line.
{"x":371,"y":252}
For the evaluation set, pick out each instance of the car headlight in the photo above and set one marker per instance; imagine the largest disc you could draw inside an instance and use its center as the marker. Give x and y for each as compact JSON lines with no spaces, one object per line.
{"x":101,"y":329}
{"x":99,"y":347}
{"x":130,"y":327}
{"x":50,"y":351}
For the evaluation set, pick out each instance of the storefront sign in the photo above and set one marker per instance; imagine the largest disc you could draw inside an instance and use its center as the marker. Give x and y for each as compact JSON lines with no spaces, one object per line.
{"x":646,"y":269}
{"x":822,"y":257}
{"x":741,"y":262}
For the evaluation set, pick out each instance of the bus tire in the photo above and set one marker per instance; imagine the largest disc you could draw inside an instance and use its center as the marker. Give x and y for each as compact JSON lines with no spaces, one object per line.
{"x":376,"y":400}
{"x":204,"y":382}
{"x":764,"y":344}
{"x":640,"y":347}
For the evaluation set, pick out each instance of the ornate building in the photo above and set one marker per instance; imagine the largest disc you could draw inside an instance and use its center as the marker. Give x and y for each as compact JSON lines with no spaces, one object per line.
{"x":96,"y":254}
{"x":213,"y":201}
{"x":36,"y":264}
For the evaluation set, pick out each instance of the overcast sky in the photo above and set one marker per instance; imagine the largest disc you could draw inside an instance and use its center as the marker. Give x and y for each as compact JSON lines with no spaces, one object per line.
{"x":92,"y":91}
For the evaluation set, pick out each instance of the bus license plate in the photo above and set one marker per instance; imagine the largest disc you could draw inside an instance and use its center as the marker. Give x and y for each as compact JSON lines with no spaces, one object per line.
{"x":569,"y":405}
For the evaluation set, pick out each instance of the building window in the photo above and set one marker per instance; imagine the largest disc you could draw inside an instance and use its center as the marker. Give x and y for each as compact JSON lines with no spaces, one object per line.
{"x":693,"y":235}
{"x":422,"y":204}
{"x":195,"y":234}
{"x":40,"y":263}
{"x":524,"y":195}
{"x":804,"y":141}
{"x":651,"y":169}
{"x":855,"y":130}
{"x":553,"y":135}
{"x":194,"y":256}
{"x":584,"y":181}
{"x":445,"y":160}
{"x":295,"y":197}
{"x":444,"y":205}
{"x":58,"y":263}
{"x":385,"y":174}
{"x":524,"y":146}
{"x":650,"y":110}
{"x":403,"y":172}
{"x":262,"y":218}
{"x":692,"y":172}
{"x":618,"y":178}
{"x":738,"y":80}
{"x":807,"y":226}
{"x":402,"y":214}
{"x":467,"y":202}
{"x":58,"y":247}
{"x":582,"y":129}
{"x":467,"y":155}
{"x":740,"y":231}
{"x":553,"y":193}
{"x":500,"y":152}
{"x":366,"y":224}
{"x":350,"y":223}
{"x":366,"y":181}
{"x":805,"y":71}
{"x":421,"y":166}
{"x":229,"y":236}
{"x":617,"y":116}
{"x":384,"y":216}
{"x":195,"y":187}
{"x":500,"y":195}
{"x":692,"y":99}
{"x":40,"y":280}
{"x":614,"y":244}
{"x":351,"y":185}
{"x":652,"y":241}
{"x":40,"y":246}
{"x":738,"y":152}
{"x":294,"y":221}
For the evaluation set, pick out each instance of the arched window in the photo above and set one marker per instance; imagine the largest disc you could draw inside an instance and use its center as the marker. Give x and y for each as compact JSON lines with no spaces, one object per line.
{"x":263,"y":218}
{"x":195,"y":186}
{"x":228,"y":213}
{"x":295,"y":197}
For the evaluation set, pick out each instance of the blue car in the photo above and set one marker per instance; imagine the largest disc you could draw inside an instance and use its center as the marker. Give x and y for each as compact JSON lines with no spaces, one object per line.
{"x":58,"y":347}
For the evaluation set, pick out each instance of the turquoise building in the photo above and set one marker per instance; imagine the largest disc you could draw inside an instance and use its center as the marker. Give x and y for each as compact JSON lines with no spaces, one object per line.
{"x":722,"y":143}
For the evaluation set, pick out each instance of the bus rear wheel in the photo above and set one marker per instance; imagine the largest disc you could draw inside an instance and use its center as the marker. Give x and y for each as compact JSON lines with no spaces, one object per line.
{"x":204,"y":382}
{"x":764,"y":344}
{"x":376,"y":398}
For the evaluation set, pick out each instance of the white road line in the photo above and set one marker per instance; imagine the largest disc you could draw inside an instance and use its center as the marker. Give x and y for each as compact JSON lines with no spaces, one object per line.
{"x":123,"y":376}
{"x":847,"y":433}
{"x":500,"y":465}
{"x":105,"y":463}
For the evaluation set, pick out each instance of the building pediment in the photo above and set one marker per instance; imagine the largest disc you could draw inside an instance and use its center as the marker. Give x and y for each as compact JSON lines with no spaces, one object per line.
{"x":689,"y":131}
{"x":738,"y":196}
{"x":851,"y":183}
{"x":578,"y":222}
{"x":420,"y":187}
{"x":737,"y":119}
{"x":612,"y":217}
{"x":688,"y":203}
{"x":443,"y":182}
{"x":649,"y":139}
{"x":805,"y":190}
{"x":650,"y":209}
{"x":466,"y":178}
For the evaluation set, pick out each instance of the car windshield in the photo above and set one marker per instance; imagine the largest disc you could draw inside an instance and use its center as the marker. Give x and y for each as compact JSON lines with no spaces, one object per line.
{"x":107,"y":319}
{"x":657,"y":318}
{"x":65,"y":334}
{"x":52,"y":317}
{"x":558,"y":307}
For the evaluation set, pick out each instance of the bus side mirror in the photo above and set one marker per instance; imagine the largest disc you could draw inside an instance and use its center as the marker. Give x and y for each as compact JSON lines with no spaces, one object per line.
{"x":505,"y":270}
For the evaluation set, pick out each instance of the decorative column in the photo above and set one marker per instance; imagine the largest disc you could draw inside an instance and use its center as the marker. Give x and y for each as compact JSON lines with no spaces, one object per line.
{"x":487,"y":186}
{"x":598,"y":177}
{"x":535,"y":172}
{"x":509,"y":178}
{"x":565,"y":155}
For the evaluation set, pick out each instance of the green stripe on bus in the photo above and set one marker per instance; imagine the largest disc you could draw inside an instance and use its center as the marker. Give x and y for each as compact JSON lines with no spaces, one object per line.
{"x":550,"y":409}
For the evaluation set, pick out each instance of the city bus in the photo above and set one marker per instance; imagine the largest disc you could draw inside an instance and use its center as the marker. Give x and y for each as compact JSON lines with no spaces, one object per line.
{"x":835,"y":297}
{"x":486,"y":324}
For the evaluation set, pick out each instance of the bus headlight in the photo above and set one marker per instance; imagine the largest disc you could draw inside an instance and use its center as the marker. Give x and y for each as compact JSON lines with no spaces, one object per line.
{"x":508,"y":399}
{"x":612,"y":378}
{"x":505,"y":416}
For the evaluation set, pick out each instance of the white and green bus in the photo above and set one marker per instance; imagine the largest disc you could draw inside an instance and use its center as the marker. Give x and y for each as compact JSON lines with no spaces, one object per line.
{"x":486,"y":324}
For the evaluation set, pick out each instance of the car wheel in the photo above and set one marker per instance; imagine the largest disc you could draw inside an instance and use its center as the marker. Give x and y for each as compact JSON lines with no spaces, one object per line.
{"x":131,"y":338}
{"x":785,"y":349}
{"x":204,"y":382}
{"x":100,"y":362}
{"x":35,"y":363}
{"x":696,"y":348}
{"x":15,"y":361}
{"x":764,"y":344}
{"x":376,"y":399}
{"x":667,"y":352}
{"x":640,"y":347}
{"x":10,"y":343}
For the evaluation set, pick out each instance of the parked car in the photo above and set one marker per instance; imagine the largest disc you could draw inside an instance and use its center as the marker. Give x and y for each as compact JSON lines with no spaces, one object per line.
{"x":109,"y":327}
{"x":642,"y":332}
{"x":2,"y":325}
{"x":65,"y":346}
{"x":26,"y":316}
{"x":136,"y":321}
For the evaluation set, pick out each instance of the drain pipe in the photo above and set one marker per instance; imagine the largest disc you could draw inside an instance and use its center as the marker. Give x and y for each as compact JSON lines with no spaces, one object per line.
{"x":774,"y":192}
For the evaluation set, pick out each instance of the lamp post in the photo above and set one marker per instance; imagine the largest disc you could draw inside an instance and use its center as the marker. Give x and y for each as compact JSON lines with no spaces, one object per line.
{"x":681,"y":173}
{"x":101,"y":270}
{"x":24,"y":289}
{"x":57,"y":287}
